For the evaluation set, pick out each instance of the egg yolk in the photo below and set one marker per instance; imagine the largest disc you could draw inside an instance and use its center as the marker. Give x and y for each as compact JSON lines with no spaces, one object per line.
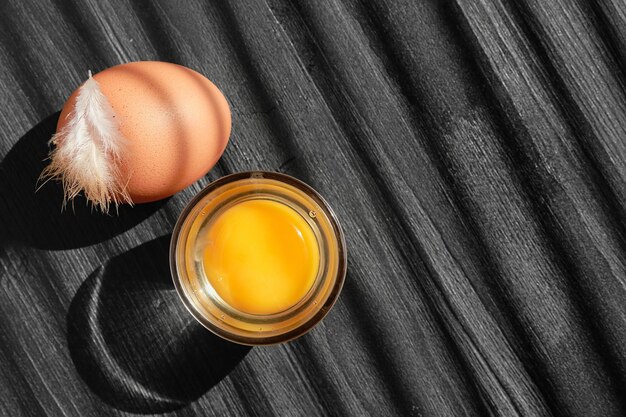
{"x":261,"y":256}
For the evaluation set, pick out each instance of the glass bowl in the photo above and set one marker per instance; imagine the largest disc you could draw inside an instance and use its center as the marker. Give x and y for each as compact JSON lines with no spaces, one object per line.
{"x":202,"y":300}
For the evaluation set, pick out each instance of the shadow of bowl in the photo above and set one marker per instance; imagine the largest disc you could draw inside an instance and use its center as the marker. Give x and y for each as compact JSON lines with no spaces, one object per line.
{"x":36,"y":218}
{"x":133,"y":342}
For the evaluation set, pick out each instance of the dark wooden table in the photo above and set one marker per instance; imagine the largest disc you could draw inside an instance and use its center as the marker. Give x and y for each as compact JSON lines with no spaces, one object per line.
{"x":475,"y":152}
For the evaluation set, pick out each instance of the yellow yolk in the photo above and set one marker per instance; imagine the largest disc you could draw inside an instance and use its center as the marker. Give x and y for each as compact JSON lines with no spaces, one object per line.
{"x":261,"y":256}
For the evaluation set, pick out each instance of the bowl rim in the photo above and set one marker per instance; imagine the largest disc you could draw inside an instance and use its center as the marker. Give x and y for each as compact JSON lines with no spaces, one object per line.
{"x":322,"y":310}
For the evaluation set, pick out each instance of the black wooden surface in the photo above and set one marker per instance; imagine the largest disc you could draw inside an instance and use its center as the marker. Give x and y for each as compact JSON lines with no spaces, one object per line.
{"x":475,"y":152}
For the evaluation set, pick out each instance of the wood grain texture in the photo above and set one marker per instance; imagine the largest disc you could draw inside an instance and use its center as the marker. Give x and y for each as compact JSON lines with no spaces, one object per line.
{"x":475,"y":152}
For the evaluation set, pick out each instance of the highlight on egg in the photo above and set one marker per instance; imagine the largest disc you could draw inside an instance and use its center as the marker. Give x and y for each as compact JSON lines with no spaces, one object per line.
{"x":138,"y":132}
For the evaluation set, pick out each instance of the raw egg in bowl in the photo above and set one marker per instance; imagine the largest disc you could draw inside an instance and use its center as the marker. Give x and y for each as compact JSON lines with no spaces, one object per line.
{"x":258,"y":257}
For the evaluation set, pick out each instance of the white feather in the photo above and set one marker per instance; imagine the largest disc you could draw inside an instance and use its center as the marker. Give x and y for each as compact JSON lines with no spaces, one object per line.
{"x":88,"y":151}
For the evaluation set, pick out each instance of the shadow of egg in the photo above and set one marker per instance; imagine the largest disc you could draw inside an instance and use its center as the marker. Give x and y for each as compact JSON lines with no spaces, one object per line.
{"x":134,"y":344}
{"x":35,"y":218}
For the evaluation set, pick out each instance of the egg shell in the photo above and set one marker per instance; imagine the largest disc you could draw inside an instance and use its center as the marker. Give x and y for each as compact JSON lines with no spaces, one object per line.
{"x":177,"y":124}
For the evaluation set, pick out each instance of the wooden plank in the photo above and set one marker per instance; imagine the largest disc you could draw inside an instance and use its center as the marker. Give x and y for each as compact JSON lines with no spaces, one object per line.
{"x":474,"y":152}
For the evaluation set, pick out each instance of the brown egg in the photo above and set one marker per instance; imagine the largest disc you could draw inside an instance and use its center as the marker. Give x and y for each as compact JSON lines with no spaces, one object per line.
{"x":176,"y":122}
